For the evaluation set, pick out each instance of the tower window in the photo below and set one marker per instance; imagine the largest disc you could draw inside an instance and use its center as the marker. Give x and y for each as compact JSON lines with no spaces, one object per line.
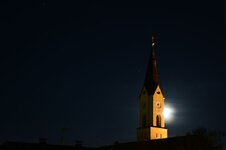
{"x":158,"y":92}
{"x":158,"y":121}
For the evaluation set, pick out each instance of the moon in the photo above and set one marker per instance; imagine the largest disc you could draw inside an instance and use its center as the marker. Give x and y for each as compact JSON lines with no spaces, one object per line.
{"x":168,"y":113}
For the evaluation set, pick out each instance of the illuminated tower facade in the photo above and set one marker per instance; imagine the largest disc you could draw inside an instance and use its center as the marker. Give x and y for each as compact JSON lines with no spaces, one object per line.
{"x":152,"y":124}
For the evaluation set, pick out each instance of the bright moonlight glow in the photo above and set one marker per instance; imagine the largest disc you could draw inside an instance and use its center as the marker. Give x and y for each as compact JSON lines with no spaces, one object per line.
{"x":168,"y":113}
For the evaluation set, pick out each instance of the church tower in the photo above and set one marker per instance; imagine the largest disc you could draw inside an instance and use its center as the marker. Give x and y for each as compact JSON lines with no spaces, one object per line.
{"x":152,"y":125}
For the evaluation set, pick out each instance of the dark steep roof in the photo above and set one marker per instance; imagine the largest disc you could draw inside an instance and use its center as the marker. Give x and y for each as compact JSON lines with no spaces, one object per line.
{"x":151,"y":79}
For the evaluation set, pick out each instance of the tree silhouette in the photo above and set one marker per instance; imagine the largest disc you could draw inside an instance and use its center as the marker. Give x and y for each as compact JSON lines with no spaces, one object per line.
{"x":210,"y":140}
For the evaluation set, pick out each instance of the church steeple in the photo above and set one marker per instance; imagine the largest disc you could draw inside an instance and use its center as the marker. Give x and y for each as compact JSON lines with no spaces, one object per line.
{"x":152,"y":124}
{"x":151,"y":79}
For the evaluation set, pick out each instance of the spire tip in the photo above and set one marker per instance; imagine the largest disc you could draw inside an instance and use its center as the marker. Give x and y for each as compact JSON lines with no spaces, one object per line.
{"x":153,"y":41}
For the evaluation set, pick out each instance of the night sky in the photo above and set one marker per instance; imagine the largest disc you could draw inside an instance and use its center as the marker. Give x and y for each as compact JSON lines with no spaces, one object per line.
{"x":81,"y":66}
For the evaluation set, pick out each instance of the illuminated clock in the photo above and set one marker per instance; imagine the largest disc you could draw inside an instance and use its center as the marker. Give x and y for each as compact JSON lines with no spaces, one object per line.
{"x":158,"y":105}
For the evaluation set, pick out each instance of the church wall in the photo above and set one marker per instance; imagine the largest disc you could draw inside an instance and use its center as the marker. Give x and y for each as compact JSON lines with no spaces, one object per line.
{"x":158,"y":98}
{"x":158,"y":133}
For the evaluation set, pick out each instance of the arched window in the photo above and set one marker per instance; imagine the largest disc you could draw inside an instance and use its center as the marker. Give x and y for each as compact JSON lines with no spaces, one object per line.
{"x":158,"y":121}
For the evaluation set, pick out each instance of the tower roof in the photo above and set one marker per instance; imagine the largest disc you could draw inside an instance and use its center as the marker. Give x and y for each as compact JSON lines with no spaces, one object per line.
{"x":151,"y":79}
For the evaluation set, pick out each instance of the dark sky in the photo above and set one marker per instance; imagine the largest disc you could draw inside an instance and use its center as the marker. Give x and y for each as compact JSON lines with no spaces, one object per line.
{"x":81,"y":66}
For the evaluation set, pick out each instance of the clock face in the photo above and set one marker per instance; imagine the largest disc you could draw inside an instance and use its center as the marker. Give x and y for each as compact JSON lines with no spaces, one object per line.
{"x":158,"y":105}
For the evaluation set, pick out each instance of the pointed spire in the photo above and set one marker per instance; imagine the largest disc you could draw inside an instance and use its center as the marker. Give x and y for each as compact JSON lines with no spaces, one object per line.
{"x":153,"y":41}
{"x":153,"y":47}
{"x":151,"y":79}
